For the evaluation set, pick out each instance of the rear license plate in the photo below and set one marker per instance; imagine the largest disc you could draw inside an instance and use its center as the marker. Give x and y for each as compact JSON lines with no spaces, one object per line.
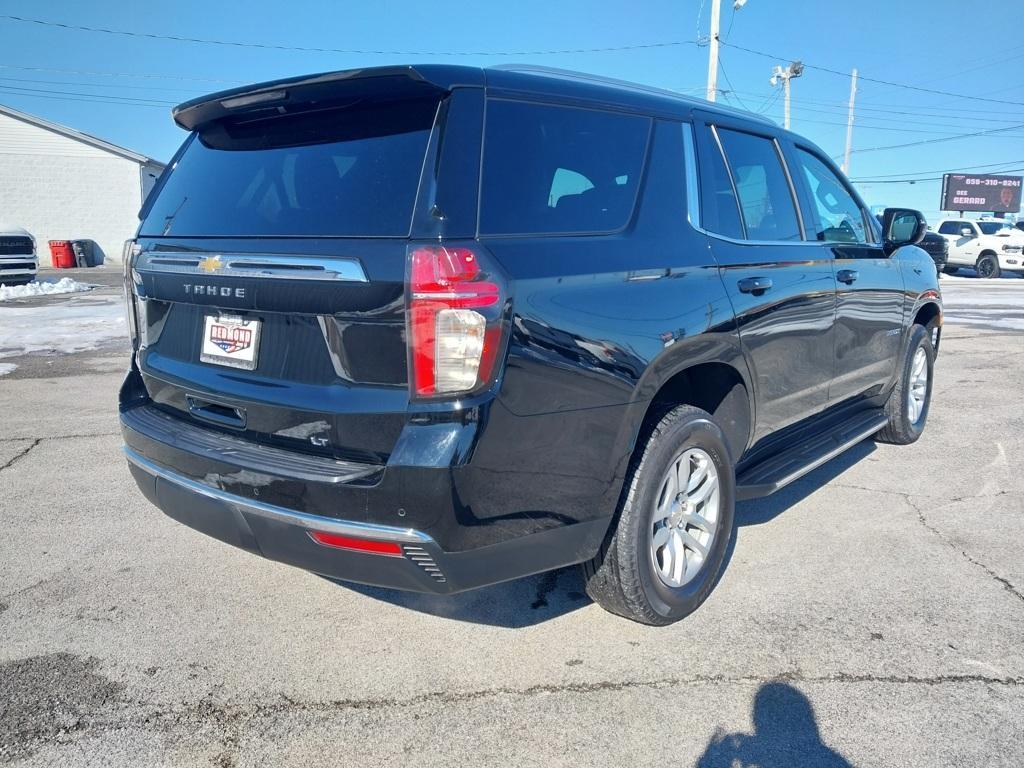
{"x":230,"y":340}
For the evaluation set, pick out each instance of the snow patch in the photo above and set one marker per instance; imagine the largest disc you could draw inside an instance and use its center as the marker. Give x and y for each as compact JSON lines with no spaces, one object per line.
{"x":43,"y":288}
{"x":64,"y":328}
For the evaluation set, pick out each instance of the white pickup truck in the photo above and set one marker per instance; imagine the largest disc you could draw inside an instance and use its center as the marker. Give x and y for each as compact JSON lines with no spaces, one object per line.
{"x":990,"y":246}
{"x":18,"y":260}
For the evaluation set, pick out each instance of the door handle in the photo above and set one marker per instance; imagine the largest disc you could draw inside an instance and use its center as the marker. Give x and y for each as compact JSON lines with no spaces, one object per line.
{"x":847,"y":275}
{"x":755,"y":285}
{"x":215,"y":413}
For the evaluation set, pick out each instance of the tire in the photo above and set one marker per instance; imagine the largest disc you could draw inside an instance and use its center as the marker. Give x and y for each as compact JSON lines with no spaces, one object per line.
{"x":626,"y":577}
{"x":902,"y":429}
{"x":950,"y":270}
{"x":987,"y":266}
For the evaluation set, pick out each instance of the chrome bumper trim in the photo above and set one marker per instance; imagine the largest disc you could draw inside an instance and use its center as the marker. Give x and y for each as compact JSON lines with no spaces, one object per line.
{"x":280,"y":514}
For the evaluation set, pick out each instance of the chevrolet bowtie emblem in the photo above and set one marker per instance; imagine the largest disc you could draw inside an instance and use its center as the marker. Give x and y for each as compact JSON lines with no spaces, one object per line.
{"x":210,"y":264}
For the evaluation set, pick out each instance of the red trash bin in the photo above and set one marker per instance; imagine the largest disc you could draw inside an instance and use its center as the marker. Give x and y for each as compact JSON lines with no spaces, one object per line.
{"x":62,"y":255}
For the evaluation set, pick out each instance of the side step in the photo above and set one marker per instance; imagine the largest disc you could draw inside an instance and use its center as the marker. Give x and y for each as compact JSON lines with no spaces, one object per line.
{"x":781,"y":469}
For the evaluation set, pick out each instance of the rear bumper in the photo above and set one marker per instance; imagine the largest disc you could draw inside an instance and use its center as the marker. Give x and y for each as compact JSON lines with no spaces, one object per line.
{"x":284,"y":535}
{"x":175,"y":466}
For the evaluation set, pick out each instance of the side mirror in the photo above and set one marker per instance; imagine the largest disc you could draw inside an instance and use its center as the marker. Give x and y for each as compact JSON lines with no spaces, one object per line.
{"x":966,"y":232}
{"x":902,"y":226}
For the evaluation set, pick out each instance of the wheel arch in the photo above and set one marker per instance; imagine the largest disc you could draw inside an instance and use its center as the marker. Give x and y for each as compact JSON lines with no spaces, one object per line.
{"x":928,"y":313}
{"x":711,"y":375}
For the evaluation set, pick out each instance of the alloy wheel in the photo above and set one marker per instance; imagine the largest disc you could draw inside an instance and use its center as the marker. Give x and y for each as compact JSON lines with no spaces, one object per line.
{"x":917,"y":392}
{"x":686,"y":516}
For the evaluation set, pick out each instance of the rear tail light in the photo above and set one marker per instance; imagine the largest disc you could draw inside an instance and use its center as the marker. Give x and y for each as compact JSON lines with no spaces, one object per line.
{"x":455,"y":320}
{"x":128,"y":253}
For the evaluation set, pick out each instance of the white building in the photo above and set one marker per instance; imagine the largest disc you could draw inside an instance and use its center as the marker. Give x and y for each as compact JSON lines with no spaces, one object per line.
{"x":61,"y":184}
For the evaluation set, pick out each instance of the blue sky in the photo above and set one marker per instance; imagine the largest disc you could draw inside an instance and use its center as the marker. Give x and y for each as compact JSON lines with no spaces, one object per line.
{"x":935,"y":44}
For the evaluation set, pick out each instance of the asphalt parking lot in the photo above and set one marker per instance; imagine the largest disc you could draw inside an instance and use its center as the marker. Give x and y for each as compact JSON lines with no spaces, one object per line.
{"x":872,"y":613}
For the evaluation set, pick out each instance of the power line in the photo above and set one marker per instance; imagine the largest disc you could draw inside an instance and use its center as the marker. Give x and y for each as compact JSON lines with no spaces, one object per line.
{"x":1002,"y":59}
{"x":957,"y":129}
{"x":947,"y":170}
{"x":126,"y":99}
{"x":96,"y":85}
{"x":277,"y":47}
{"x":100,"y":73}
{"x":876,"y":80}
{"x":915,"y":181}
{"x":770,"y":102}
{"x":905,"y":130}
{"x":88,"y":101}
{"x":731,"y":90}
{"x":936,"y":141}
{"x":860,"y":123}
{"x":840,"y":108}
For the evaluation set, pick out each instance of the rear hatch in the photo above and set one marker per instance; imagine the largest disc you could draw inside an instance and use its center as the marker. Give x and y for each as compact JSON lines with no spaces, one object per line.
{"x":270,"y":267}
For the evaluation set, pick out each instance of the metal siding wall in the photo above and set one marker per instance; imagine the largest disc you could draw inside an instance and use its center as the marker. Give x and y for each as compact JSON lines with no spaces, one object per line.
{"x":58,"y":188}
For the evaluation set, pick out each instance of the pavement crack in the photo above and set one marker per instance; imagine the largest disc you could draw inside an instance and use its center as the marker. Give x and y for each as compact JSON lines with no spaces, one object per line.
{"x":909,"y":498}
{"x":1001,"y":580}
{"x":231,"y":718}
{"x":21,"y":454}
{"x":226,"y":711}
{"x":60,"y":437}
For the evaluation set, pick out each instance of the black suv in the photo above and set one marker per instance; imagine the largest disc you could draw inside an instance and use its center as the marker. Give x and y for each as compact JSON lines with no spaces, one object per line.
{"x":438,"y":327}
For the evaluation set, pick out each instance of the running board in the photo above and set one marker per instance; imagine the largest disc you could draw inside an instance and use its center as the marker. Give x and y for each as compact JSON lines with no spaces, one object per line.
{"x":782,"y":469}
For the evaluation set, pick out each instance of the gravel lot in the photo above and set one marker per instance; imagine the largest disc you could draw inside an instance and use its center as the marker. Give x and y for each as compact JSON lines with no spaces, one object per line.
{"x":872,"y":613}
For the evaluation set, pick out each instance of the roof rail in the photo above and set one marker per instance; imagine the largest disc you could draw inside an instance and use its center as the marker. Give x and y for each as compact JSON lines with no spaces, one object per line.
{"x":569,"y":74}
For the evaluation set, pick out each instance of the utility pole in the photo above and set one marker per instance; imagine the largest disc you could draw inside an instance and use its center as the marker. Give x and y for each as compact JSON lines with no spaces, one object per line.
{"x":849,"y":122}
{"x":785,"y":98}
{"x":780,"y":75}
{"x":716,"y":18}
{"x":716,"y":15}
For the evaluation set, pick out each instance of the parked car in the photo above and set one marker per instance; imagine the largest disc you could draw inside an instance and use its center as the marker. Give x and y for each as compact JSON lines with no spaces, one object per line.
{"x":991,"y":247}
{"x":18,"y":260}
{"x":934,"y":245}
{"x":438,"y":327}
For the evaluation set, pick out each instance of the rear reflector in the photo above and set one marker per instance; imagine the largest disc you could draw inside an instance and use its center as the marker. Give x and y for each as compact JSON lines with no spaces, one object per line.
{"x":356,"y":545}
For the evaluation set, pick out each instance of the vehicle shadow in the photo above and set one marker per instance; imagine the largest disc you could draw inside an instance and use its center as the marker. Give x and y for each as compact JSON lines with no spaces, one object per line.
{"x":758,"y":511}
{"x":785,"y":734}
{"x":512,"y":605}
{"x":536,"y":599}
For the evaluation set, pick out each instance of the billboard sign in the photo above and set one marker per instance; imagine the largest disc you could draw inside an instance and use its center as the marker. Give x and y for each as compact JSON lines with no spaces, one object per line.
{"x":981,"y":192}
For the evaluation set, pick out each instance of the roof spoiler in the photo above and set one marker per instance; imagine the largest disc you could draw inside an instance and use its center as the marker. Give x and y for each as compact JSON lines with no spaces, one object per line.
{"x":281,"y":95}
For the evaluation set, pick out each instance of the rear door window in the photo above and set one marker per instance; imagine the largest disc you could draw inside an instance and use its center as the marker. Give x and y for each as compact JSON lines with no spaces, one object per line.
{"x":720,"y":211}
{"x":343,"y":172}
{"x":765,"y":197}
{"x":552,"y":169}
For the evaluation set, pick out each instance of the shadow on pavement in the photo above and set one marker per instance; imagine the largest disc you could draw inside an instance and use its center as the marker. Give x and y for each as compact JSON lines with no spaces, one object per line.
{"x":785,"y":734}
{"x":514,"y":604}
{"x":757,"y":511}
{"x":535,"y":599}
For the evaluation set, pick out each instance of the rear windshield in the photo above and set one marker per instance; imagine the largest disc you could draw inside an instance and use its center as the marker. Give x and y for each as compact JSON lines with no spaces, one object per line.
{"x":991,"y":227}
{"x":343,"y":172}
